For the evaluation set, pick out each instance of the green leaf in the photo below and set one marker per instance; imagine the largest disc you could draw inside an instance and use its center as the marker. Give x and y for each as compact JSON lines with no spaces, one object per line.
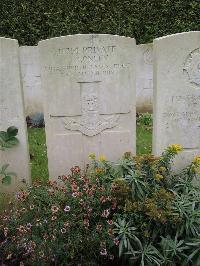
{"x":3,"y":136}
{"x":13,"y":141}
{"x":6,"y":180}
{"x":12,"y":131}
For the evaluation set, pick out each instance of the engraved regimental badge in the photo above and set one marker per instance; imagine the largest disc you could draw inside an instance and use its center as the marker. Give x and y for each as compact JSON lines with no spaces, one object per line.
{"x":91,"y":122}
{"x":192,"y":67}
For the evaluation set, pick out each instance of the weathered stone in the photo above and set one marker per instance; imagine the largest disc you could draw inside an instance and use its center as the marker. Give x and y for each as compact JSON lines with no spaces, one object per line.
{"x":177,"y":94}
{"x":12,"y":113}
{"x":144,"y":78}
{"x":89,"y":98}
{"x":30,"y":70}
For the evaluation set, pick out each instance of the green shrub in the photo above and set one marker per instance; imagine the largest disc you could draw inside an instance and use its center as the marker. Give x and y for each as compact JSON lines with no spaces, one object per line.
{"x":160,"y":219}
{"x":31,"y":21}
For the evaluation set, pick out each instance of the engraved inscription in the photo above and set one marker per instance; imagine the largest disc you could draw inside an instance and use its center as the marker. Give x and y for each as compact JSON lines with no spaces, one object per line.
{"x":87,"y":69}
{"x":86,"y":50}
{"x":91,"y":122}
{"x":192,"y":116}
{"x":189,"y":99}
{"x":87,"y":61}
{"x":189,"y":104}
{"x":192,"y":67}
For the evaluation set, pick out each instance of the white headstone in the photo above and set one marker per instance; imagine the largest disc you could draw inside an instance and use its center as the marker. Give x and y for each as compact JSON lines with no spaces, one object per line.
{"x":30,"y":69}
{"x":89,"y":101}
{"x":12,"y":112}
{"x":177,"y":94}
{"x":144,"y":78}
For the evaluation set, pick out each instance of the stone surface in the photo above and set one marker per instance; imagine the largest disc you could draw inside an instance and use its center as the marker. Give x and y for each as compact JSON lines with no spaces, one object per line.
{"x":89,"y":92}
{"x":30,"y":70}
{"x":12,"y":112}
{"x":177,"y":94}
{"x":144,"y":78}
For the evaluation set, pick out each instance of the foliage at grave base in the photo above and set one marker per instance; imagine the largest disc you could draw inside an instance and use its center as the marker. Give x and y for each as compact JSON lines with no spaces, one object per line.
{"x":145,"y":119}
{"x":137,"y":212}
{"x":7,"y":140}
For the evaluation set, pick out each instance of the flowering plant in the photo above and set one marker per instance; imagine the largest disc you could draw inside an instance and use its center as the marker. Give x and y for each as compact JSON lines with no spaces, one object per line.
{"x":65,"y":222}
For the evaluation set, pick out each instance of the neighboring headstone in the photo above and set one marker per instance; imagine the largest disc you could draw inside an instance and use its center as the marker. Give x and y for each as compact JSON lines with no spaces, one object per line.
{"x":144,"y":78}
{"x":89,"y":98}
{"x":30,"y":70}
{"x":12,"y":113}
{"x":177,"y":94}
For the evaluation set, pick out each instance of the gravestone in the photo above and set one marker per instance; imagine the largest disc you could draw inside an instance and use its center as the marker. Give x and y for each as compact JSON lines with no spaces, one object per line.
{"x":12,"y":113}
{"x":30,"y":70}
{"x":89,"y":98}
{"x":177,"y":95}
{"x":144,"y":78}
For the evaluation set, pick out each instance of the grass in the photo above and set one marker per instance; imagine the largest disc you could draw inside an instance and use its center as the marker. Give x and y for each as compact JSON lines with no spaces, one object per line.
{"x":38,"y":154}
{"x":144,"y":140}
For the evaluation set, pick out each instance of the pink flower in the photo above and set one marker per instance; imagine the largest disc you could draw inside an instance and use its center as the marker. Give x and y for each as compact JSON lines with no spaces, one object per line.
{"x":105,"y":213}
{"x":94,"y":187}
{"x":64,"y":177}
{"x":86,"y":181}
{"x":63,"y":230}
{"x":28,"y":226}
{"x":67,"y":208}
{"x":89,"y":210}
{"x":53,"y":218}
{"x":90,"y":192}
{"x":75,"y":194}
{"x":103,"y":199}
{"x":110,"y":222}
{"x":21,"y":229}
{"x":54,"y":209}
{"x":75,"y":169}
{"x":103,"y":252}
{"x":101,"y":189}
{"x":5,"y":231}
{"x":74,"y":187}
{"x":116,"y":241}
{"x":114,"y":205}
{"x":80,"y":194}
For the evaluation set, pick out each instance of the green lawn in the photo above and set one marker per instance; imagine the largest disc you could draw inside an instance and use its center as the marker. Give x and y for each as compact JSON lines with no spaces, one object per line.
{"x":144,"y":140}
{"x":38,"y":152}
